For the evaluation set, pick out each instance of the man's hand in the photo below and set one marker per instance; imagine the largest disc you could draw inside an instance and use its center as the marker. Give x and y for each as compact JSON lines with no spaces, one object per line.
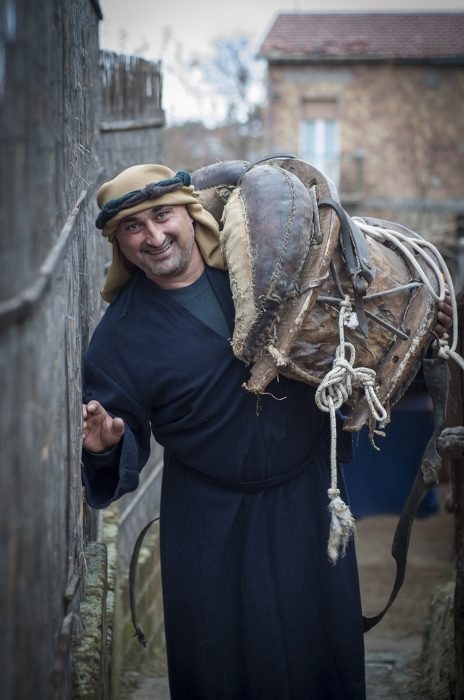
{"x":100,"y":430}
{"x":445,"y":315}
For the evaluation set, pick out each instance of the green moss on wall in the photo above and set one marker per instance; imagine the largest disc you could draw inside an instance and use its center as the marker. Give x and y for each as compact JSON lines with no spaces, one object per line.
{"x":89,"y":652}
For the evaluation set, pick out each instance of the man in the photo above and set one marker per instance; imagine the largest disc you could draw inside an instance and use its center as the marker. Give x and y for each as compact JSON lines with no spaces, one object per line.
{"x":253,"y":608}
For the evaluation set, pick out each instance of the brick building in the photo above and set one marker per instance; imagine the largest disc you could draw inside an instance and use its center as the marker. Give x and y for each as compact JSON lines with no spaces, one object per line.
{"x":377,"y":102}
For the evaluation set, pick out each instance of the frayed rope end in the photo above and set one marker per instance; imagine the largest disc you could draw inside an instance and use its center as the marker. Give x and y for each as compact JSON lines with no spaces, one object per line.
{"x":341,"y":526}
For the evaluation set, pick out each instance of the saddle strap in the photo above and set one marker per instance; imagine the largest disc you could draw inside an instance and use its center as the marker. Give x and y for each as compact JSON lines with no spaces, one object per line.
{"x":354,"y":244}
{"x":133,"y":583}
{"x":356,"y":255}
{"x":437,"y":379}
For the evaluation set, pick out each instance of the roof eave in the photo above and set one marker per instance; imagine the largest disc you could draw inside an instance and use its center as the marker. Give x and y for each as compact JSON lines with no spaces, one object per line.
{"x":274,"y":58}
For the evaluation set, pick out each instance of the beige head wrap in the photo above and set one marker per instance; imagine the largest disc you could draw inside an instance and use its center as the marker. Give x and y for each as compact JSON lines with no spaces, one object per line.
{"x":136,"y":178}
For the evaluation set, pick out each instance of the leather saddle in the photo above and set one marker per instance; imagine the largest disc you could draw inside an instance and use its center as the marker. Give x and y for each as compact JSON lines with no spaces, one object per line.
{"x":288,"y":242}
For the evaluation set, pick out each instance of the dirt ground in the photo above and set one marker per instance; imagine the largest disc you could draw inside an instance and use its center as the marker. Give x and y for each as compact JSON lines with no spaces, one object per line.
{"x":429,"y":563}
{"x":393,"y":647}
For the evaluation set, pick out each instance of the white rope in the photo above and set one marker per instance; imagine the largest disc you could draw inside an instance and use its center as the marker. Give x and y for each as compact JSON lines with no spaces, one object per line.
{"x":441,"y":270}
{"x":333,"y":391}
{"x":337,"y":385}
{"x":446,"y":352}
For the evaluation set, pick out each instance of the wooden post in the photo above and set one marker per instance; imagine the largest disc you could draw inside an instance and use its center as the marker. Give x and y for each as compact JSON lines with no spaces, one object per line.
{"x":452,"y":441}
{"x":458,"y":497}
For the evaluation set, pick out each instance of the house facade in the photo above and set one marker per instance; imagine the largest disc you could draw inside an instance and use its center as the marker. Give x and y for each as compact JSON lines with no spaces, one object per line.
{"x":377,"y":102}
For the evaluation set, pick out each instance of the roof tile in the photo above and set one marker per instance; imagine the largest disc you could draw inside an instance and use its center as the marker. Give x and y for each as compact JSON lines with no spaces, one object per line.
{"x":367,"y":35}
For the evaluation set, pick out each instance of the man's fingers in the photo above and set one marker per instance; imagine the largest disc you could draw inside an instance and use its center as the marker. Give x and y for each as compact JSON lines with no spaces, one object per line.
{"x":117,"y":427}
{"x":446,"y":305}
{"x":101,"y":431}
{"x":444,"y":319}
{"x":445,"y":313}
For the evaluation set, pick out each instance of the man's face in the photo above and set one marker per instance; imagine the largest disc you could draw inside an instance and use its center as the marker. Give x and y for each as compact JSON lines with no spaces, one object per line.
{"x":159,"y":240}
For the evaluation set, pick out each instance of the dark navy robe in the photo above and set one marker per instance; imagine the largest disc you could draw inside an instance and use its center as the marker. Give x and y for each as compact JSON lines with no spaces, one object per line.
{"x":253,"y":608}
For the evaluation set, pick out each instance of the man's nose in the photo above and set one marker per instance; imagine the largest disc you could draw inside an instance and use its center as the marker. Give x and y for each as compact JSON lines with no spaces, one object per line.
{"x":155,"y":234}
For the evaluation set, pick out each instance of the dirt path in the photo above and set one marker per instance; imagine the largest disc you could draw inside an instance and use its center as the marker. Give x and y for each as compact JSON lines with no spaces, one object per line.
{"x":429,"y":563}
{"x":393,"y":646}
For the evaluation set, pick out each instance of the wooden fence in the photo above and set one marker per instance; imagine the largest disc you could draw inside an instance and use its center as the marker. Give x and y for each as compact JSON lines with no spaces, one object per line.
{"x":132,"y":114}
{"x":52,"y":160}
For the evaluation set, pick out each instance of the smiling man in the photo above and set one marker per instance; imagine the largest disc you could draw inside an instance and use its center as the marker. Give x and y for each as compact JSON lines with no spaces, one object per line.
{"x":161,"y":242}
{"x":253,"y":608}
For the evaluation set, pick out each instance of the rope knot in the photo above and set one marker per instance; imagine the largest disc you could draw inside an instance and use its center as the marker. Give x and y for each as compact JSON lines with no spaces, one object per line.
{"x":332,"y":392}
{"x":442,"y":344}
{"x":150,"y":191}
{"x":346,"y":303}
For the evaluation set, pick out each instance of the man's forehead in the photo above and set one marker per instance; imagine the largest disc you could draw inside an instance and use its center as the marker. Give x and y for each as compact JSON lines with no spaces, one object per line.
{"x":134,"y":217}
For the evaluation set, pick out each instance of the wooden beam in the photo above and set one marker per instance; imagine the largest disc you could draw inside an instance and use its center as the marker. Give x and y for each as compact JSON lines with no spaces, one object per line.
{"x":132,"y":125}
{"x":453,"y":441}
{"x":96,"y":6}
{"x":61,"y":658}
{"x":24,"y":303}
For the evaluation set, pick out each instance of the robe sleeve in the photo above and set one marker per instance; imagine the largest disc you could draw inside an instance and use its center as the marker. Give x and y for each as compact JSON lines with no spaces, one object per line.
{"x":107,"y":484}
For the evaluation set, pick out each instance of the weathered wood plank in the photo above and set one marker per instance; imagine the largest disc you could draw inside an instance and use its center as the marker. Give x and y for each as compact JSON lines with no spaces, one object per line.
{"x":49,"y":117}
{"x":455,"y":417}
{"x":132,"y":116}
{"x":132,"y":124}
{"x":52,"y":262}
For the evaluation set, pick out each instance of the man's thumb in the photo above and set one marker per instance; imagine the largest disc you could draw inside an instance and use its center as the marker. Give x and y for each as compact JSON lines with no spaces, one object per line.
{"x":118,"y":427}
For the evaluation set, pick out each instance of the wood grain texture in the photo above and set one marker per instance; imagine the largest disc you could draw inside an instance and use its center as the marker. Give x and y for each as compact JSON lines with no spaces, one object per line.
{"x":455,"y":418}
{"x":48,"y":157}
{"x":131,"y":112}
{"x":50,"y":153}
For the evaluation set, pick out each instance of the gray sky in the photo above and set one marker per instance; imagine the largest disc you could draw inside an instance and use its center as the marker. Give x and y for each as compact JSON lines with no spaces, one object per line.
{"x":138,"y":26}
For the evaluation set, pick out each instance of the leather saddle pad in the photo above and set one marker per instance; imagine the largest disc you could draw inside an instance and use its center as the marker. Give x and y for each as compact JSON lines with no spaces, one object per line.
{"x":265,"y":238}
{"x":279,"y":244}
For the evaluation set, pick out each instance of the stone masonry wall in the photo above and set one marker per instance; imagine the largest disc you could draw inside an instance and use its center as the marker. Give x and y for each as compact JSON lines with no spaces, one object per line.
{"x":406,"y":119}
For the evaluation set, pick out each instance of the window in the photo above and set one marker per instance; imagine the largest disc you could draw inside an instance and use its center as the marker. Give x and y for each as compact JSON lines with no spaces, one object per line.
{"x":320,"y":145}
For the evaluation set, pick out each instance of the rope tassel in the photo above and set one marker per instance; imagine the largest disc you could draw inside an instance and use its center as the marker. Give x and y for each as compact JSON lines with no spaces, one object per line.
{"x":341,"y":525}
{"x":336,"y":386}
{"x":335,"y":389}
